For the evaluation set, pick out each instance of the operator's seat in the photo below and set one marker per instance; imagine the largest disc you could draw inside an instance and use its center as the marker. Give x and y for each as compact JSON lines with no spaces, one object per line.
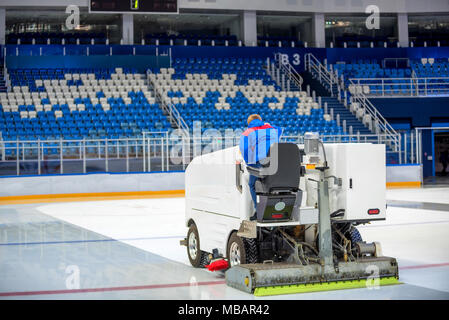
{"x":285,"y":169}
{"x":278,"y":183}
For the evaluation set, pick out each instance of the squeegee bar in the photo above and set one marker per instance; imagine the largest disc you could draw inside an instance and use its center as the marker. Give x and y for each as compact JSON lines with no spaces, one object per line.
{"x":322,"y":286}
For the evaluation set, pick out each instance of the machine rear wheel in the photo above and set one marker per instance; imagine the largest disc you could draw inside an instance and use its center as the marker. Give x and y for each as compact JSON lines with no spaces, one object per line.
{"x":355,"y":235}
{"x":241,"y":250}
{"x":197,"y":258}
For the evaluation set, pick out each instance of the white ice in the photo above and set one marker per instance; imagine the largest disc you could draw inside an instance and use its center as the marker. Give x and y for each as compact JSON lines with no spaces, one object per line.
{"x":435,"y":195}
{"x":154,"y":225}
{"x":414,"y":236}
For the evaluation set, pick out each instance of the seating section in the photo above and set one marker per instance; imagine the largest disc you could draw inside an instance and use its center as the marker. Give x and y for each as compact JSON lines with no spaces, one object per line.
{"x":221,"y":93}
{"x":428,"y":67}
{"x":274,"y":42}
{"x":78,"y":103}
{"x":56,"y":38}
{"x":432,"y":39}
{"x":369,"y":69}
{"x":348,"y":41}
{"x":353,"y":41}
{"x":395,"y":81}
{"x":190,"y":39}
{"x":425,"y":67}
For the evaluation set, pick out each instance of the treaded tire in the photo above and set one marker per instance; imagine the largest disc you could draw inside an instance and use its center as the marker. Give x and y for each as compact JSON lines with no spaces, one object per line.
{"x":246,"y":247}
{"x":202,"y":258}
{"x":252,"y":255}
{"x":204,"y":261}
{"x":355,"y":236}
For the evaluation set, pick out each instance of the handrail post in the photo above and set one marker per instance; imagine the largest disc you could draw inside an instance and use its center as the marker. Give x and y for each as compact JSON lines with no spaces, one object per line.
{"x":411,"y":86}
{"x":84,"y":155}
{"x":144,"y":152}
{"x":149,"y":156}
{"x":162,"y":154}
{"x":127,"y":155}
{"x":416,"y":145}
{"x":39,"y":156}
{"x":61,"y":170}
{"x":405,"y":147}
{"x":167,"y":153}
{"x":331,"y":86}
{"x":106,"y":155}
{"x":17,"y":158}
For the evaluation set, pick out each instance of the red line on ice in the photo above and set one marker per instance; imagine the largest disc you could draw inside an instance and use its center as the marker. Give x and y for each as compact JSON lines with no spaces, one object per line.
{"x":423,"y":266}
{"x":162,"y":286}
{"x":146,"y":287}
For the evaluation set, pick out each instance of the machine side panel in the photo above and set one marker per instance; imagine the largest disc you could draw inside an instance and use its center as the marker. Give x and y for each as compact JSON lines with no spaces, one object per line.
{"x":214,"y":229}
{"x":366,"y":170}
{"x":361,"y":166}
{"x":212,"y":198}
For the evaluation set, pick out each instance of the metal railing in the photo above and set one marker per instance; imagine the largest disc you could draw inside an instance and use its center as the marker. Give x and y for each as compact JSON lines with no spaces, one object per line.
{"x":5,"y":72}
{"x":2,"y":146}
{"x":401,"y":87}
{"x":289,"y":71}
{"x":174,"y":113}
{"x":153,"y":151}
{"x":322,"y":74}
{"x":418,"y":136}
{"x":379,"y":123}
{"x":71,"y":156}
{"x":169,"y":109}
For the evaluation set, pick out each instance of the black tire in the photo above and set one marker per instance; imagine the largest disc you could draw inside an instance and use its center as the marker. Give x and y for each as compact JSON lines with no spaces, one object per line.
{"x":252,"y":255}
{"x":351,"y":233}
{"x":247,"y":249}
{"x":355,"y":236}
{"x":201,"y":258}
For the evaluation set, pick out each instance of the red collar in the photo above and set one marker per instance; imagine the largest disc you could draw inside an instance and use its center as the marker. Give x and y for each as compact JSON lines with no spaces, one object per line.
{"x":249,"y":130}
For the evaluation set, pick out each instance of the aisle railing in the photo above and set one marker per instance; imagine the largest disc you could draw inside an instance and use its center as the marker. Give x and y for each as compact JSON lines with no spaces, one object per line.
{"x":330,"y":79}
{"x":153,"y":151}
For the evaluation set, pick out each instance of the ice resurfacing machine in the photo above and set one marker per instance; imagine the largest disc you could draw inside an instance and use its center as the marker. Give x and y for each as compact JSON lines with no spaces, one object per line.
{"x":310,"y":198}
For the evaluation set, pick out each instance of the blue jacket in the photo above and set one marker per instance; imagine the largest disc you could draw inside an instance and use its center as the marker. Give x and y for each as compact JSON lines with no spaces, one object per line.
{"x":257,"y":140}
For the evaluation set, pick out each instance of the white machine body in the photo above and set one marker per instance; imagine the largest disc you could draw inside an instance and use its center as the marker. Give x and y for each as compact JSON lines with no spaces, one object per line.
{"x":213,"y":201}
{"x":217,"y":202}
{"x":362,"y":169}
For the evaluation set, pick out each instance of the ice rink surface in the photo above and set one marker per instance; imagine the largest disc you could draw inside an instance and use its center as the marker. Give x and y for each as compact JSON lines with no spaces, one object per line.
{"x":129,"y":249}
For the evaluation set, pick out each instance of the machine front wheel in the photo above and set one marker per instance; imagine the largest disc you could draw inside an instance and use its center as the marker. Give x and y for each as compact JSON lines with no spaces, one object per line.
{"x":197,"y":258}
{"x":241,"y":250}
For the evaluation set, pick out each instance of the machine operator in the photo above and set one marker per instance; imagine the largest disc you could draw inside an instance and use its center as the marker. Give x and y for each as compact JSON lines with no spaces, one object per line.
{"x":255,"y":143}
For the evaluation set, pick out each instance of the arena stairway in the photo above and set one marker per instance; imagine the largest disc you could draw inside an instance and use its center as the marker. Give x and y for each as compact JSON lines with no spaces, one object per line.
{"x":345,"y":114}
{"x":357,"y":125}
{"x":3,"y":87}
{"x":333,"y":103}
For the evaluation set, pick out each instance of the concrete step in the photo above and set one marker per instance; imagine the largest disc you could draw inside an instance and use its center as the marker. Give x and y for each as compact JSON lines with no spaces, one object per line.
{"x":333,"y":103}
